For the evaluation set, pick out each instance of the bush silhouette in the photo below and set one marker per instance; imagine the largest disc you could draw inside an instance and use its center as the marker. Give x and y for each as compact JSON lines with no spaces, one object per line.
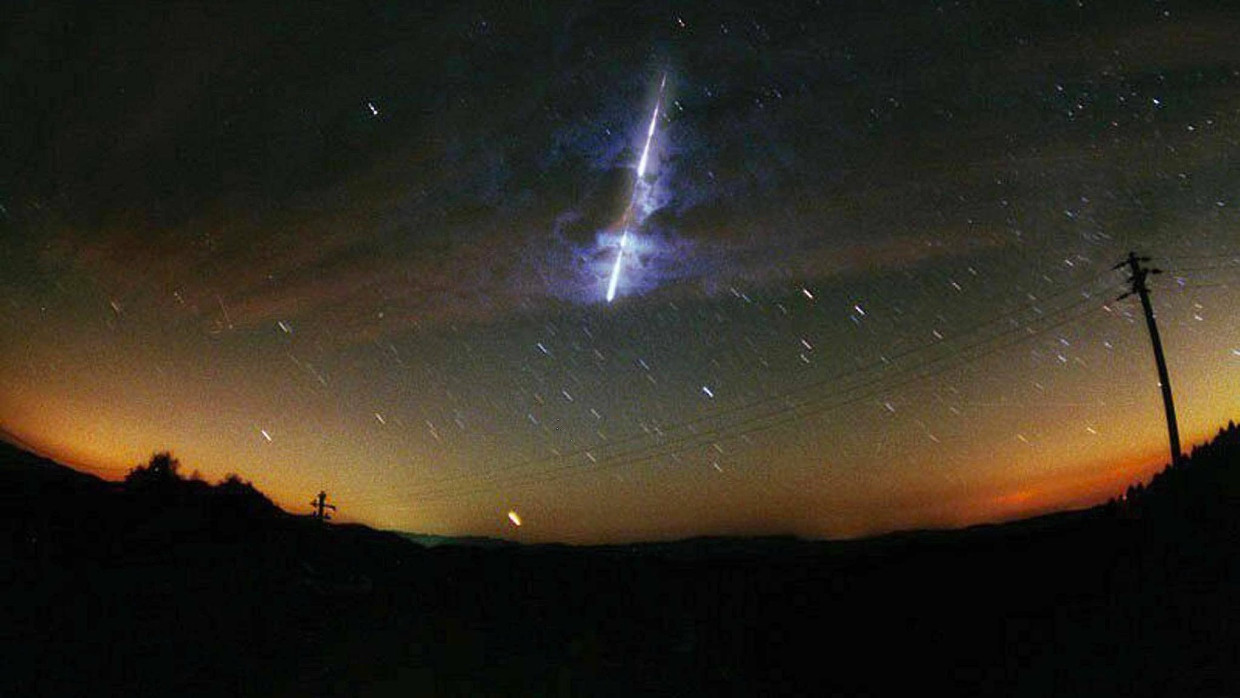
{"x":159,"y":486}
{"x":162,"y":471}
{"x":241,"y":497}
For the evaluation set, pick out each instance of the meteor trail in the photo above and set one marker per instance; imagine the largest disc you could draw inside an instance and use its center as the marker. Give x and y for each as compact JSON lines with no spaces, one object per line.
{"x":637,"y":190}
{"x":641,"y":164}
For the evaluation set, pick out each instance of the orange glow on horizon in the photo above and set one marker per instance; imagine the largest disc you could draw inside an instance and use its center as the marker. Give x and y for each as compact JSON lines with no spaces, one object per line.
{"x":888,"y":477}
{"x":1084,"y":487}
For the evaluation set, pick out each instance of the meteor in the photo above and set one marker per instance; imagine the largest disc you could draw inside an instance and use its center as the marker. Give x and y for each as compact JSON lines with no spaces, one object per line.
{"x":654,"y":117}
{"x":628,"y":214}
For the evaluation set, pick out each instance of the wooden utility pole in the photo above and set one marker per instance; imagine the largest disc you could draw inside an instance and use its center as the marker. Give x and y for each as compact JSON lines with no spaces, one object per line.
{"x":1139,"y":288}
{"x":321,"y":506}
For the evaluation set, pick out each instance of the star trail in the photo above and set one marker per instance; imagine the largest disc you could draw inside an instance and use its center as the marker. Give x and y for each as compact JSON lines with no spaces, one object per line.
{"x":386,"y":252}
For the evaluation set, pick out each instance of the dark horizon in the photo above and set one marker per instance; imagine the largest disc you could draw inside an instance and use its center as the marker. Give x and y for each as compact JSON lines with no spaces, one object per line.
{"x":1130,"y":599}
{"x":305,"y":510}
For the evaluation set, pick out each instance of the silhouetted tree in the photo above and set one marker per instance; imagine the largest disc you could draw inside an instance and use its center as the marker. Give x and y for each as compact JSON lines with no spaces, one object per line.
{"x":161,"y":471}
{"x":242,"y":497}
{"x":1204,"y":485}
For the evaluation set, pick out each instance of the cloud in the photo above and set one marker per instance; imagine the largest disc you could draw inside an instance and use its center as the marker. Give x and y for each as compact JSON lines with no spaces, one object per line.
{"x":490,"y":185}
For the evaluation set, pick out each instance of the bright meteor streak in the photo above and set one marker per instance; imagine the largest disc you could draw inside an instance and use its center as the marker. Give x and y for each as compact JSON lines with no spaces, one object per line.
{"x":628,"y":214}
{"x":615,"y":269}
{"x":641,"y":164}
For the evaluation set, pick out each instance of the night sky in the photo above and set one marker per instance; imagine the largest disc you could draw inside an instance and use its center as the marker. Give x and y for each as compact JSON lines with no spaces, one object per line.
{"x":364,"y":247}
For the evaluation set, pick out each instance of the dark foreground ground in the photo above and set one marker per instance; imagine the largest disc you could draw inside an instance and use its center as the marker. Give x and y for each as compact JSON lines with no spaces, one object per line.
{"x":108,"y":592}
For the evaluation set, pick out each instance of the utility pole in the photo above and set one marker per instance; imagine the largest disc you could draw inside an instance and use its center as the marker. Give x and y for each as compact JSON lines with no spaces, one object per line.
{"x":1139,"y":288}
{"x":321,"y":506}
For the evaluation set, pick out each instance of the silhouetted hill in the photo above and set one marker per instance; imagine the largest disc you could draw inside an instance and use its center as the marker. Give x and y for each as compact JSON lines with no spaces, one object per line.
{"x":1203,"y":488}
{"x":144,"y":591}
{"x":428,"y":540}
{"x":22,"y":469}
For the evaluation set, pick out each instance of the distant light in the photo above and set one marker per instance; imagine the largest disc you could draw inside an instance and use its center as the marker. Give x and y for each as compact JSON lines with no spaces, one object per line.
{"x":515,"y":518}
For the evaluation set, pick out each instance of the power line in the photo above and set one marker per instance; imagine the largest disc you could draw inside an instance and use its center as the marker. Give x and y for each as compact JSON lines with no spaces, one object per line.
{"x":598,"y":451}
{"x":739,"y":421}
{"x":1192,"y":257}
{"x":563,"y":472}
{"x":1190,"y":287}
{"x":688,"y":442}
{"x":698,"y":436}
{"x":779,"y":416}
{"x":1218,"y":267}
